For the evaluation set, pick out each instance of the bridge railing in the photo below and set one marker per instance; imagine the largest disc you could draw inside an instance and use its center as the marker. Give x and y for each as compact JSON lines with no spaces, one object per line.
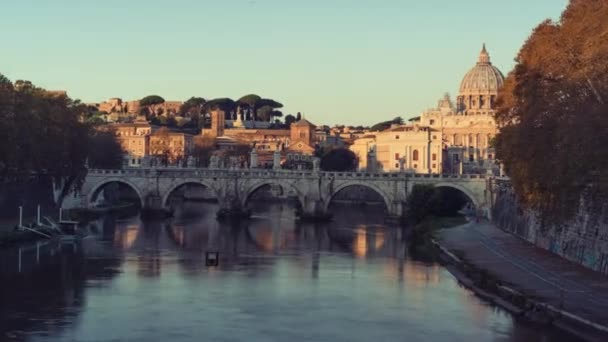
{"x":198,"y":172}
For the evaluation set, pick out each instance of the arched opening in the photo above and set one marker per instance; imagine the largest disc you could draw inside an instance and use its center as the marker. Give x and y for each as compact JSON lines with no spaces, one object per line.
{"x":358,"y":204}
{"x":451,"y":201}
{"x":191,"y":200}
{"x":115,"y":194}
{"x":273,"y":200}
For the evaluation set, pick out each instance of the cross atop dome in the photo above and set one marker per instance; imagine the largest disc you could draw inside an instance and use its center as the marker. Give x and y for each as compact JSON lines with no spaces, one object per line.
{"x":484,"y":56}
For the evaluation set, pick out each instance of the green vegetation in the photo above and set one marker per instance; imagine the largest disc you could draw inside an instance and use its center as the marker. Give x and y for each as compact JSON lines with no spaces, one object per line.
{"x":43,"y":134}
{"x":552,"y":113}
{"x":151,"y":100}
{"x":339,"y":159}
{"x":289,"y":119}
{"x":381,"y":126}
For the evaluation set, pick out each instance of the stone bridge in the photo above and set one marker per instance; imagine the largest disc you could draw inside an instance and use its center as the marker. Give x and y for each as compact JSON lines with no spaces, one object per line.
{"x":313,"y":189}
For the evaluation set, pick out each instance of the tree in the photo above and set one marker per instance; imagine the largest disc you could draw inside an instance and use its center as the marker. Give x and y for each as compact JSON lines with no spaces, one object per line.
{"x":289,"y":119}
{"x":251,"y":103}
{"x":203,"y":150}
{"x":42,"y":135}
{"x":381,"y":126}
{"x":265,"y":113}
{"x":266,"y":107}
{"x":554,"y":103}
{"x":419,"y":203}
{"x":339,"y":159}
{"x":193,"y":108}
{"x":151,"y":100}
{"x":224,"y":103}
{"x":104,"y":149}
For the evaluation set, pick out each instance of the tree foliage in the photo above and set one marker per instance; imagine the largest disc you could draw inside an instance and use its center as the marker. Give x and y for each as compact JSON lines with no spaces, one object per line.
{"x":553,"y":112}
{"x":151,"y":100}
{"x":381,"y":126}
{"x":289,"y":119}
{"x":339,"y":159}
{"x":194,"y":106}
{"x":105,"y":151}
{"x":224,"y":103}
{"x":42,"y":134}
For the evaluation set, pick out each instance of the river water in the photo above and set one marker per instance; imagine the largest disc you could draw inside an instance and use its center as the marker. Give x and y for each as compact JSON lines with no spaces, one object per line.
{"x":350,"y":280}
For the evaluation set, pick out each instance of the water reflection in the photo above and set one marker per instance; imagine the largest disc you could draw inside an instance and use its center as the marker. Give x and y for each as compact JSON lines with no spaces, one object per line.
{"x":349,"y":280}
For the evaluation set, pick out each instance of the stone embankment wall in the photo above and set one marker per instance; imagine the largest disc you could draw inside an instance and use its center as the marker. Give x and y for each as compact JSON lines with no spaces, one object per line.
{"x":583,"y":239}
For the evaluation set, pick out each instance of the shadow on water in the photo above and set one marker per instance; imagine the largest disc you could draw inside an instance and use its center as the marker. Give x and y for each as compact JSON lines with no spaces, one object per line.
{"x":352,"y":279}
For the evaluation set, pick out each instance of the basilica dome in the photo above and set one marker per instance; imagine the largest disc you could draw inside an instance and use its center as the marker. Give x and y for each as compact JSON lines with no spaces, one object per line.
{"x":483,"y":79}
{"x":479,"y":87}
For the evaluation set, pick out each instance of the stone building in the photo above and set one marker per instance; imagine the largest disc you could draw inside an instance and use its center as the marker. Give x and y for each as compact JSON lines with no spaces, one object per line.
{"x":134,"y":139}
{"x":302,"y":138}
{"x":140,"y":140}
{"x":450,"y":138}
{"x":175,"y":147}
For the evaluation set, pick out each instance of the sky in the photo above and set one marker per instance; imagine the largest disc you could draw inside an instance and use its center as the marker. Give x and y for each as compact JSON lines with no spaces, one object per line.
{"x":353,"y":62}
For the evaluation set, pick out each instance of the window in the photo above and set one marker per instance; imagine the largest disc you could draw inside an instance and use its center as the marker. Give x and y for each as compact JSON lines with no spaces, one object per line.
{"x":471,"y":157}
{"x":490,"y":156}
{"x":415,"y":155}
{"x":415,"y":166}
{"x":397,"y":165}
{"x":434,"y":166}
{"x":302,"y":135}
{"x":396,"y":137}
{"x":434,"y":156}
{"x":396,"y":156}
{"x":434,"y":137}
{"x":432,"y":122}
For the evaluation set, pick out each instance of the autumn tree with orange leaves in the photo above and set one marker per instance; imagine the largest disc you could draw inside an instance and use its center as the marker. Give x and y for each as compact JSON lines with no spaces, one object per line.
{"x":553,"y":113}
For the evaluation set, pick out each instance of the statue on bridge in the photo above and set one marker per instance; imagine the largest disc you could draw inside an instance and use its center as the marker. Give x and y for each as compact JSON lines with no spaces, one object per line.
{"x":316,"y":164}
{"x":190,"y":163}
{"x":214,"y":162}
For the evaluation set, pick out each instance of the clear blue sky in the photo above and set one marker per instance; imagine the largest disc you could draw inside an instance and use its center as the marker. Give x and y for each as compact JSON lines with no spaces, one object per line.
{"x":336,"y":61}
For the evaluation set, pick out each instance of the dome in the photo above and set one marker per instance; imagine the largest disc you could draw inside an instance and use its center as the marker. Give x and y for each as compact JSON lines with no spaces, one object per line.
{"x":483,"y":79}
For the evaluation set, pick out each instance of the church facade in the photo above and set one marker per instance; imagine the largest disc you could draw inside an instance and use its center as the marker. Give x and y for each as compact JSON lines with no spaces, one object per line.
{"x":450,"y":138}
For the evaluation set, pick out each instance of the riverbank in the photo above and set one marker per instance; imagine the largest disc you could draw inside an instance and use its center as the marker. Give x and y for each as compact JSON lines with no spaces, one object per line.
{"x":527,"y":281}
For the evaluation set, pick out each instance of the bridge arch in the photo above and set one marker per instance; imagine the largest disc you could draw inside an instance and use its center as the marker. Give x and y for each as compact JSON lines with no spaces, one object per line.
{"x":371,"y":186}
{"x":94,"y":192}
{"x":284,"y":185}
{"x":470,"y":195}
{"x":180,"y":184}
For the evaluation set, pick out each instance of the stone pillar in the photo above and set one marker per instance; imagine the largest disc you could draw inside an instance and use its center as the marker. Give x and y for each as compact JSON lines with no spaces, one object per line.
{"x":425,"y":159}
{"x":253,"y":159}
{"x":276,"y":160}
{"x":460,"y":168}
{"x":316,"y":164}
{"x":372,"y":163}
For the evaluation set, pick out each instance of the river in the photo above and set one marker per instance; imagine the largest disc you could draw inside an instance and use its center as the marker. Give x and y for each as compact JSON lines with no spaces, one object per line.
{"x":353,"y":279}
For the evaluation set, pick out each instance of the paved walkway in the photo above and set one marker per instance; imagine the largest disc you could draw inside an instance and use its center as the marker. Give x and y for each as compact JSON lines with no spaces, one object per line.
{"x":531,"y":270}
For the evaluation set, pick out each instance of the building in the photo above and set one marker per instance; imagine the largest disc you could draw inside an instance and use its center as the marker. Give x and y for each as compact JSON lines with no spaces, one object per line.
{"x":134,"y":139}
{"x":302,"y":138}
{"x":140,"y":140}
{"x":450,"y":138}
{"x":174,"y":147}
